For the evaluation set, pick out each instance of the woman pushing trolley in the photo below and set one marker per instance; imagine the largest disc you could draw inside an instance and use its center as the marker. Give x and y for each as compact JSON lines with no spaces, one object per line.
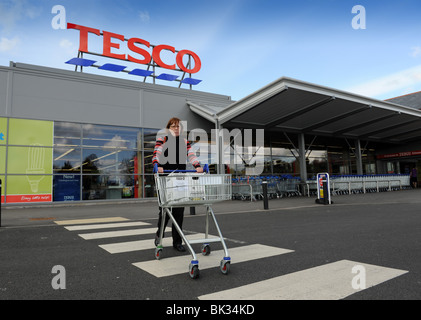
{"x":178,"y":188}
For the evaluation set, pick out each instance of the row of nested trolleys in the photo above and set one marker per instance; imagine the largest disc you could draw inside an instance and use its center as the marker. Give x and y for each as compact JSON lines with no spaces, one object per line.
{"x":250,"y":188}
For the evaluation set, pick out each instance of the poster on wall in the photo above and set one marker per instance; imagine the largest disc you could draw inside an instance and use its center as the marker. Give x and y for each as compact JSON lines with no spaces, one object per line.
{"x":66,"y":187}
{"x":29,"y":165}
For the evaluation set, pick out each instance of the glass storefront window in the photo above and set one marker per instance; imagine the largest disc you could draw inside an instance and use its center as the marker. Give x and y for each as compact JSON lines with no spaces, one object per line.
{"x":339,"y":162}
{"x":74,"y":162}
{"x":66,"y":160}
{"x":149,"y":138}
{"x":95,"y":187}
{"x":110,"y":161}
{"x":137,"y":188}
{"x":67,"y":134}
{"x":283,"y":165}
{"x":148,"y":161}
{"x":150,"y":190}
{"x":316,"y":165}
{"x":317,"y":162}
{"x":111,"y":137}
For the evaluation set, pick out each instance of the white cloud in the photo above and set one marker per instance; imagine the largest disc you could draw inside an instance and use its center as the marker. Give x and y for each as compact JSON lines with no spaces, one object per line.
{"x":66,"y":44}
{"x":8,"y":44}
{"x":415,"y":51}
{"x":144,"y":16}
{"x":68,"y":47}
{"x":12,"y":12}
{"x":402,"y":80}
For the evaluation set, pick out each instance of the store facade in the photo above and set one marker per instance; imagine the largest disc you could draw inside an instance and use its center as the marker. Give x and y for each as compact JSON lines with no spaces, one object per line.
{"x":75,"y":136}
{"x":72,"y":136}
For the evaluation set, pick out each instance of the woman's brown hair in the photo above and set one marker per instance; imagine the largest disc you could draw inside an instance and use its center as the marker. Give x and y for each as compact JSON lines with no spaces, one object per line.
{"x":172,"y":121}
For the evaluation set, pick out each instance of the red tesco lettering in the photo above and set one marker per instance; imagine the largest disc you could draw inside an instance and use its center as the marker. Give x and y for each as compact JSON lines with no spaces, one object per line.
{"x":134,"y":45}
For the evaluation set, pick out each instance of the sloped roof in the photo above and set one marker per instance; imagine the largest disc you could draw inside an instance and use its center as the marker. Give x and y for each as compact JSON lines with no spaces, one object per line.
{"x":295,"y":106}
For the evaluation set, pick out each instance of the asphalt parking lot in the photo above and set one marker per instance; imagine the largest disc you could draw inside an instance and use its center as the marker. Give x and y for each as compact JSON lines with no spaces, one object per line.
{"x":292,"y":248}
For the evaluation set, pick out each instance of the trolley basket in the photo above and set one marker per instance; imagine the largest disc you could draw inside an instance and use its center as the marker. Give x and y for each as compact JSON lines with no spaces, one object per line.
{"x":186,"y":188}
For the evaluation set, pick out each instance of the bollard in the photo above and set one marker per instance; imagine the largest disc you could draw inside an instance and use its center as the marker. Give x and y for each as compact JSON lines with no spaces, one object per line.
{"x":325,"y":192}
{"x":265,"y":194}
{"x":323,"y":189}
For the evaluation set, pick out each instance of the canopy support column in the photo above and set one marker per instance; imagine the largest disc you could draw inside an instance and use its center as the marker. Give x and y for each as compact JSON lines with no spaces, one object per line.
{"x":358,"y":157}
{"x":302,"y":157}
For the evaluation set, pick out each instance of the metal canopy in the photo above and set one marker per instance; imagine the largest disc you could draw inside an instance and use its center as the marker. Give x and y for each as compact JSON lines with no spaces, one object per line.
{"x":295,"y":106}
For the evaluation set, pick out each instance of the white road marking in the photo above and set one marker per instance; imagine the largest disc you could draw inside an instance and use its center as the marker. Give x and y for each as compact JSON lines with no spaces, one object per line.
{"x":144,"y":244}
{"x":94,"y":220}
{"x":121,"y":233}
{"x":327,"y":282}
{"x":106,"y":225}
{"x":176,"y":265}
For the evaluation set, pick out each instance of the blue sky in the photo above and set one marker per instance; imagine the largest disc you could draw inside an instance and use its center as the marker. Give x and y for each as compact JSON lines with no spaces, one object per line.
{"x":243,"y":44}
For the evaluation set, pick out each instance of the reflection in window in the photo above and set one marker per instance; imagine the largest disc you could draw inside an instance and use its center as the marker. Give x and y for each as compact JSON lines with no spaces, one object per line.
{"x":283,"y":165}
{"x":109,"y":161}
{"x":66,"y":134}
{"x":148,"y":161}
{"x":150,"y":190}
{"x":66,"y":160}
{"x":149,"y":138}
{"x":95,"y":187}
{"x":316,"y":165}
{"x":111,"y":137}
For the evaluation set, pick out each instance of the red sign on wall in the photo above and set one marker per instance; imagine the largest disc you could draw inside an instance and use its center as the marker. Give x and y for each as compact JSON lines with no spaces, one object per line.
{"x":399,"y":154}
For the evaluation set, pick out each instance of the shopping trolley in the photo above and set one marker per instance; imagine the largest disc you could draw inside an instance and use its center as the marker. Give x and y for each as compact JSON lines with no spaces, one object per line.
{"x":186,"y":188}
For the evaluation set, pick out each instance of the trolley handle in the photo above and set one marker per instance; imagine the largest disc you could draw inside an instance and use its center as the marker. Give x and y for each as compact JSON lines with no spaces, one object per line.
{"x":155,"y":169}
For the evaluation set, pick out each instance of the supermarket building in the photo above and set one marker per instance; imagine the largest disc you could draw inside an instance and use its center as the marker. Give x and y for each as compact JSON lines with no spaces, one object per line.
{"x":75,"y":136}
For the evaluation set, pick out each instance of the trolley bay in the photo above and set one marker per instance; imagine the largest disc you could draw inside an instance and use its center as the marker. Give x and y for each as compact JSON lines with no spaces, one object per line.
{"x":295,"y":250}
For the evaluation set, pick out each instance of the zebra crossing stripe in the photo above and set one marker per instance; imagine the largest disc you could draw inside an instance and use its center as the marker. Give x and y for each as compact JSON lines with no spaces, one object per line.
{"x":327,"y":282}
{"x":94,"y":220}
{"x":177,"y":265}
{"x":106,"y":225}
{"x":139,"y":245}
{"x":121,"y":233}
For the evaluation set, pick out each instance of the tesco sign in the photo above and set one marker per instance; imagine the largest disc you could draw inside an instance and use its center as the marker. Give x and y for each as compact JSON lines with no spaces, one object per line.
{"x":135,"y":45}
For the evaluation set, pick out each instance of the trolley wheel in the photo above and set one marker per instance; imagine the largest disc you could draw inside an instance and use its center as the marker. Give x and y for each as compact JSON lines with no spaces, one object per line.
{"x":206,"y":249}
{"x":225,"y":266}
{"x":194,"y":271}
{"x":158,"y":253}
